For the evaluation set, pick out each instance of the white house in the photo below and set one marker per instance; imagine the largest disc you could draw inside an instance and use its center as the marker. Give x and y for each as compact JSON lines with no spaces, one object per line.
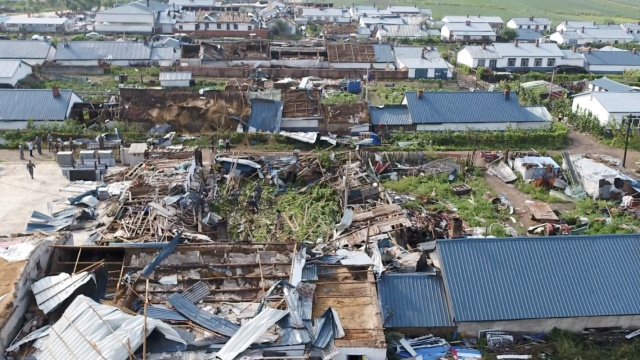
{"x":575,"y":25}
{"x":12,"y":71}
{"x":222,"y":21}
{"x":327,"y":15}
{"x":117,"y":53}
{"x":467,"y":32}
{"x":374,"y":22}
{"x":358,"y":11}
{"x":632,"y":28}
{"x":535,"y":167}
{"x":495,"y":22}
{"x":422,"y":62}
{"x":510,"y":56}
{"x":584,"y":36}
{"x":404,"y":31}
{"x":38,"y":25}
{"x":19,"y":106}
{"x":609,"y":106}
{"x":30,"y":51}
{"x":532,"y":23}
{"x":611,"y":62}
{"x":137,"y":17}
{"x":606,"y":84}
{"x":175,"y":79}
{"x":410,"y":11}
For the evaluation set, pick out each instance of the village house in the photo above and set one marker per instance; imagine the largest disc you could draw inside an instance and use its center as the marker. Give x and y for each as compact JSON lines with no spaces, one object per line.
{"x":223,"y":24}
{"x":29,"y":51}
{"x":326,"y":16}
{"x":609,"y":106}
{"x":606,"y":84}
{"x":205,"y":5}
{"x":568,"y":26}
{"x":495,"y":22}
{"x":585,"y":35}
{"x":422,"y":62}
{"x":39,"y":24}
{"x":374,"y":23}
{"x":531,"y":23}
{"x":404,"y":32}
{"x":632,"y":28}
{"x":12,"y":71}
{"x":174,"y":79}
{"x":611,"y":62}
{"x":529,"y":36}
{"x":510,"y":56}
{"x":140,"y":17}
{"x":117,"y":53}
{"x":467,"y":32}
{"x":359,"y":11}
{"x":19,"y":106}
{"x":410,"y":11}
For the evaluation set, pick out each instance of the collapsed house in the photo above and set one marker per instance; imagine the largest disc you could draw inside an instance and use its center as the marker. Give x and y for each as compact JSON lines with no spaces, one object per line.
{"x":535,"y":167}
{"x":601,"y":181}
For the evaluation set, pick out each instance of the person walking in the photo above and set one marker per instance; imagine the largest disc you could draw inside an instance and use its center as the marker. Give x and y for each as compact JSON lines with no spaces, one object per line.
{"x":39,"y":145}
{"x":57,"y":146}
{"x":227,"y":144}
{"x":50,"y":141}
{"x":21,"y":148}
{"x":31,"y":148}
{"x":198,"y":155}
{"x":30,"y":167}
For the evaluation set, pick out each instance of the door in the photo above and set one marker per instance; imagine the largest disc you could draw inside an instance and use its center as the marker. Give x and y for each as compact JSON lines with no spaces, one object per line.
{"x":441,"y":74}
{"x":421,"y":74}
{"x":493,"y":64}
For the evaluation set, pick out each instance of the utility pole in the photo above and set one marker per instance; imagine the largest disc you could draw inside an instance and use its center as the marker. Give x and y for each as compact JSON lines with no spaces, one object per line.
{"x":626,"y":141}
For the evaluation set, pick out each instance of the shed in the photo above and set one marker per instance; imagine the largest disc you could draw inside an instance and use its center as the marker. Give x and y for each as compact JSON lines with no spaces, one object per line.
{"x":598,"y":180}
{"x":12,"y":71}
{"x":606,"y":84}
{"x":19,"y":106}
{"x":414,"y":302}
{"x":419,"y":68}
{"x":136,"y":153}
{"x":175,"y":79}
{"x":535,"y":284}
{"x":535,"y":167}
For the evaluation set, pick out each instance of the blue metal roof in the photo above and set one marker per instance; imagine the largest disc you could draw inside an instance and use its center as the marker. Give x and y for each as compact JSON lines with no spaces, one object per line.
{"x":383,"y":53}
{"x":164,"y":314}
{"x":310,"y":272}
{"x":32,"y":104}
{"x":466,"y":107}
{"x":620,"y":58}
{"x":266,"y":115}
{"x":541,"y":277}
{"x":390,"y":115}
{"x":413,"y":300}
{"x":610,"y":85}
{"x":528,"y":34}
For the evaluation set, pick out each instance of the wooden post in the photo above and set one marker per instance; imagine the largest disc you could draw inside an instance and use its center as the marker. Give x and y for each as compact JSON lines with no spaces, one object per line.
{"x":75,"y":266}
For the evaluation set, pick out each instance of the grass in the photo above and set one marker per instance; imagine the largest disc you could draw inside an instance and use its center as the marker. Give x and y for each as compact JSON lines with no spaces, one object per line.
{"x":537,"y":193}
{"x":340,"y":98}
{"x":476,"y":208}
{"x":596,"y":211}
{"x":585,"y":10}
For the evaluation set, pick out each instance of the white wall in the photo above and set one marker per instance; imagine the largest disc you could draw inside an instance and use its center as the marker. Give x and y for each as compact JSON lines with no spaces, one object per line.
{"x":481,"y":126}
{"x":369,"y":353}
{"x":588,"y":103}
{"x":120,"y":27}
{"x":611,"y":69}
{"x":23,"y":71}
{"x":126,"y":18}
{"x":465,"y":58}
{"x":174,"y":83}
{"x":191,"y":26}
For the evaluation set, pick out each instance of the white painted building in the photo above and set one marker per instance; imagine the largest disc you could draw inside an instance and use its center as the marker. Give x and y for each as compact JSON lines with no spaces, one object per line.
{"x":467,"y":32}
{"x":495,"y":22}
{"x":12,"y":71}
{"x":327,"y":15}
{"x":510,"y":56}
{"x":137,"y":17}
{"x":609,"y":106}
{"x":532,"y":23}
{"x":38,"y":24}
{"x":175,"y":79}
{"x":410,"y":11}
{"x":116,"y":53}
{"x":575,"y":25}
{"x":584,"y":36}
{"x":223,"y":21}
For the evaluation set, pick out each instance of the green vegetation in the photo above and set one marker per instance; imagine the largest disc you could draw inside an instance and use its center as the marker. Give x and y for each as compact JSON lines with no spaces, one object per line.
{"x":550,"y":138}
{"x":508,"y":34}
{"x":340,"y":98}
{"x":434,"y":193}
{"x":395,"y":94}
{"x":537,"y":193}
{"x":600,"y":222}
{"x":569,"y":346}
{"x":421,"y":41}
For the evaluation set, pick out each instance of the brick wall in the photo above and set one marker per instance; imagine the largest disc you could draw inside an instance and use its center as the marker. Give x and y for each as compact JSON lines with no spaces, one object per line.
{"x":295,"y":73}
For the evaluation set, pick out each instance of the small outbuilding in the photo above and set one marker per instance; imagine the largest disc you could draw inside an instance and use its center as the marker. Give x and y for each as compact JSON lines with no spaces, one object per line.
{"x":12,"y":71}
{"x":136,"y":153}
{"x":176,"y":79}
{"x":535,"y":167}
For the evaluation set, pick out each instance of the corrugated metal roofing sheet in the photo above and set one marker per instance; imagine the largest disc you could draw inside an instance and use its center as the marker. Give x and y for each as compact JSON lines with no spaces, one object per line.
{"x":8,"y":68}
{"x":390,"y":115}
{"x":404,"y":31}
{"x":413,"y":300}
{"x":539,"y":111}
{"x":250,"y":332}
{"x":175,"y":75}
{"x":466,"y":107}
{"x":528,"y":34}
{"x":310,"y":272}
{"x":266,"y":115}
{"x":616,"y":102}
{"x":51,"y":291}
{"x":24,"y":49}
{"x":207,"y":320}
{"x":473,"y":19}
{"x":34,"y":104}
{"x":620,"y":58}
{"x":197,"y":292}
{"x":164,"y":314}
{"x":532,"y":22}
{"x":383,"y":53}
{"x":162,"y":255}
{"x":541,"y":277}
{"x":610,"y":85}
{"x":104,"y":50}
{"x":89,"y":330}
{"x":528,"y":49}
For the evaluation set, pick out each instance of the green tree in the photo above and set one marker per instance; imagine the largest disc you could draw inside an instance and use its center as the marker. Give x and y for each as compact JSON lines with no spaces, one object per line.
{"x":509,"y":34}
{"x":279,"y":27}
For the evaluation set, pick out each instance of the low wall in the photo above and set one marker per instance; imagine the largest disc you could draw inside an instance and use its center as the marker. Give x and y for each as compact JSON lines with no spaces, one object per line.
{"x":72,"y":70}
{"x":229,"y":72}
{"x":257,"y":33}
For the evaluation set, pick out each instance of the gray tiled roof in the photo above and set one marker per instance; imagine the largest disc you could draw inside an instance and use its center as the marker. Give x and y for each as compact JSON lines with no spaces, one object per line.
{"x":415,"y":300}
{"x":383,"y":53}
{"x":621,"y":58}
{"x":529,"y":21}
{"x":610,"y":85}
{"x":528,"y":34}
{"x":105,"y":50}
{"x":541,"y":277}
{"x":477,"y":52}
{"x":30,"y":104}
{"x":466,"y":107}
{"x":390,"y":115}
{"x":24,"y":49}
{"x":542,"y":50}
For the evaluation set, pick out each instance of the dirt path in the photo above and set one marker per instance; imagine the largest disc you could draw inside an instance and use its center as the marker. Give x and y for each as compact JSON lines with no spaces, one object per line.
{"x":583,"y":144}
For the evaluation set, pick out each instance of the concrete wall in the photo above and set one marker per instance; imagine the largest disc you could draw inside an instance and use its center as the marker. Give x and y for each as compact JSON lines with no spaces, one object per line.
{"x":174,"y":83}
{"x":34,"y":270}
{"x":368,"y":353}
{"x":532,"y":326}
{"x":294,"y":73}
{"x":72,"y":70}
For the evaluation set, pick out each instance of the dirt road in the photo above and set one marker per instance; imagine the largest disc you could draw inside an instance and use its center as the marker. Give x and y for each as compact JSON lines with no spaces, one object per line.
{"x":583,"y":144}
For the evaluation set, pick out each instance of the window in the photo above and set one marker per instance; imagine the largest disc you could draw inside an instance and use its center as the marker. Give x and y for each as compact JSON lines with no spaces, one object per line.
{"x":537,"y":62}
{"x":197,"y":26}
{"x":493,"y":64}
{"x":520,"y":27}
{"x":511,"y":62}
{"x":180,"y":27}
{"x":228,"y":26}
{"x":481,"y":63}
{"x":249,"y":27}
{"x":524,"y":62}
{"x":528,"y":26}
{"x":466,"y":38}
{"x":206,"y":26}
{"x":551,"y":62}
{"x":235,"y":26}
{"x":355,"y":357}
{"x":219,"y":26}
